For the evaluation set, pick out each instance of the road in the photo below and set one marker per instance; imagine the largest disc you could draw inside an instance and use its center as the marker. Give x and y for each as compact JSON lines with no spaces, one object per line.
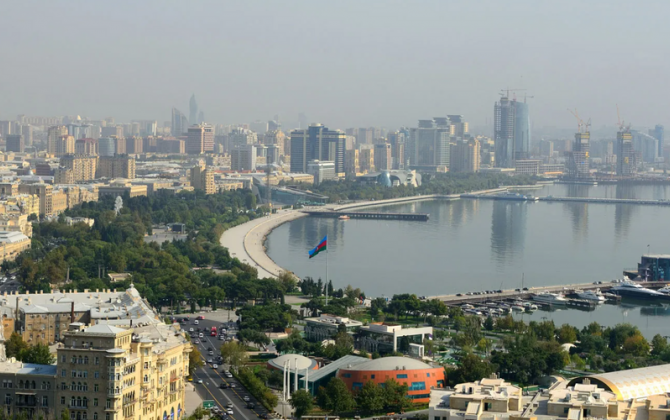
{"x":212,"y":378}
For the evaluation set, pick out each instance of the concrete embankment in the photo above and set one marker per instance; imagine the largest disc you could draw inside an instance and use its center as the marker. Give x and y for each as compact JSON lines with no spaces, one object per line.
{"x":246,"y":241}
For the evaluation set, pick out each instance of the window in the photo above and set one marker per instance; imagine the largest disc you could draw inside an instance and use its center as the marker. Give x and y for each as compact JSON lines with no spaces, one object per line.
{"x":372,"y":376}
{"x":95,"y":416}
{"x":85,"y":360}
{"x":97,"y":362}
{"x":428,"y":375}
{"x":418,"y":386}
{"x":62,"y":358}
{"x":62,"y":400}
{"x":96,"y":388}
{"x":8,"y":399}
{"x":96,"y":374}
{"x":565,"y":410}
{"x":346,"y":375}
{"x":487,"y":406}
{"x":95,"y":402}
{"x":357,"y":385}
{"x":106,"y":416}
{"x":74,"y":373}
{"x":401,"y":376}
{"x":45,"y":401}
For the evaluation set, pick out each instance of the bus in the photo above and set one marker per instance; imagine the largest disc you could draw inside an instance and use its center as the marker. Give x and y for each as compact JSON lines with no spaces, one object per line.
{"x":213,"y":332}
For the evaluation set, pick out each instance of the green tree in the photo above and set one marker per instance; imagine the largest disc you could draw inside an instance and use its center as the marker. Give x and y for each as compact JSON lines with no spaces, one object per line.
{"x":577,"y":362}
{"x":659,"y":344}
{"x":370,"y":398}
{"x":488,"y":323}
{"x":471,"y":368}
{"x":194,"y":360}
{"x":234,"y":354}
{"x":15,"y":346}
{"x":302,"y":401}
{"x":395,"y":396}
{"x":335,"y":397}
{"x":636,"y":345}
{"x":38,"y":354}
{"x":567,"y":334}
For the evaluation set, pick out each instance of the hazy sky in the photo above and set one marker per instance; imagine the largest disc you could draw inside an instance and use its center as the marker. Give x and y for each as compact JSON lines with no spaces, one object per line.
{"x":345,"y":63}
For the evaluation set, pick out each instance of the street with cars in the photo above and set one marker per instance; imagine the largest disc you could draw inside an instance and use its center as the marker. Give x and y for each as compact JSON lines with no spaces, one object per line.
{"x":231,"y":399}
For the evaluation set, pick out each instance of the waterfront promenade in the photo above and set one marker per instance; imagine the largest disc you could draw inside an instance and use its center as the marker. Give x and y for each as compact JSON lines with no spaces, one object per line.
{"x":246,"y":241}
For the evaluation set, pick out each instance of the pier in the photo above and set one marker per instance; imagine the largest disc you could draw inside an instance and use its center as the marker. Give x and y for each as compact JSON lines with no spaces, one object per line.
{"x":369,"y":215}
{"x":596,"y":200}
{"x":457,"y":299}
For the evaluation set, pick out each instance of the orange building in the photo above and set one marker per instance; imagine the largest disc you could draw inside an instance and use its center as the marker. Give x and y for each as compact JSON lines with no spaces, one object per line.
{"x":418,"y":376}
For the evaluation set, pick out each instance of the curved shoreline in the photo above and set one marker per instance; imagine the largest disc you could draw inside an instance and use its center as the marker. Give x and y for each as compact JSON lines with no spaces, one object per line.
{"x":247,"y":241}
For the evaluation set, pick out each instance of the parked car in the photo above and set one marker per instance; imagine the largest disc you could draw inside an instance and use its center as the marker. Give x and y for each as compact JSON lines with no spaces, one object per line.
{"x":200,"y":381}
{"x":223,"y":385}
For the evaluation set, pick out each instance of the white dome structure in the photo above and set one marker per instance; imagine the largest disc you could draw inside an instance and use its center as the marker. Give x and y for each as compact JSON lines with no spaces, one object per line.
{"x":302,"y":362}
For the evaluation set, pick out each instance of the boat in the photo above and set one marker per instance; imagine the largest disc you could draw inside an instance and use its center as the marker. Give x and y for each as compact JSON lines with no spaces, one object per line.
{"x":529,"y":307}
{"x":665,"y":290}
{"x":550,"y":298}
{"x":634,"y":290}
{"x":344,"y":217}
{"x":518,"y":308}
{"x":593,"y":295}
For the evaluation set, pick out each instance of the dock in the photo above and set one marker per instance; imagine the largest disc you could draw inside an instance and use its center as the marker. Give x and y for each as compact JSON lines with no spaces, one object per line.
{"x":368,"y":215}
{"x":455,"y":299}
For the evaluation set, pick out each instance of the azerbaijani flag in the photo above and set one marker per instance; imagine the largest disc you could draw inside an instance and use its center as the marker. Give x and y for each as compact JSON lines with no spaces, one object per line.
{"x":320,"y":247}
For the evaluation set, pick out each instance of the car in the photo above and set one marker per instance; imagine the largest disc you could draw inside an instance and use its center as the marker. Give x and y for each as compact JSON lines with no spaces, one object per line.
{"x":196,"y":341}
{"x":229,"y":375}
{"x":229,"y":412}
{"x":196,"y":322}
{"x":517,"y":290}
{"x":233,"y":385}
{"x":246,"y":399}
{"x":525,"y":289}
{"x":210,"y":348}
{"x":223,"y":385}
{"x":210,"y":361}
{"x":211,"y":353}
{"x":459,"y":294}
{"x":200,"y":335}
{"x":229,"y":405}
{"x":215,"y":366}
{"x":185,"y":319}
{"x":215,"y":409}
{"x":221,"y":338}
{"x":251,"y":405}
{"x":200,"y":381}
{"x":190,"y":330}
{"x":200,"y":317}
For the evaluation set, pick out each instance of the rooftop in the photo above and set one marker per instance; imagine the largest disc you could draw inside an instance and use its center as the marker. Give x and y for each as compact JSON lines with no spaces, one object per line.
{"x":391,"y":363}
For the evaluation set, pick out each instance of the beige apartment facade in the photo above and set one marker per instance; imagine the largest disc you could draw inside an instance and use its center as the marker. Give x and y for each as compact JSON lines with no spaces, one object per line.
{"x":116,"y":167}
{"x":83,"y":167}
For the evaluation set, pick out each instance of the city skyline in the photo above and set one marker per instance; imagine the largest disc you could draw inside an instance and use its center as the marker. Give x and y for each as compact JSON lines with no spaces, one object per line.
{"x":379,"y":78}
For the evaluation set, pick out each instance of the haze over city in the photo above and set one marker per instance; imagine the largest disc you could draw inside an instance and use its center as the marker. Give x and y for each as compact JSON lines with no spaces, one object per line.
{"x":344,"y":63}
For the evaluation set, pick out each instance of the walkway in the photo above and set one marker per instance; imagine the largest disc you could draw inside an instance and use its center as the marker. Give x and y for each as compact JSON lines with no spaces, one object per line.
{"x":246,"y":241}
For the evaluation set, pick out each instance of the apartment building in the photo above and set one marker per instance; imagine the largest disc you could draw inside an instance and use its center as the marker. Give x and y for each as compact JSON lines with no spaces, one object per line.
{"x":202,"y":179}
{"x":83,"y":167}
{"x":116,"y":167}
{"x":12,"y":244}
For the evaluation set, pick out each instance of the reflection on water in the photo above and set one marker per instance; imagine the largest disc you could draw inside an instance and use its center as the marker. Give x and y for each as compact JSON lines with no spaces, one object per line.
{"x":508,"y":229}
{"x":549,"y":243}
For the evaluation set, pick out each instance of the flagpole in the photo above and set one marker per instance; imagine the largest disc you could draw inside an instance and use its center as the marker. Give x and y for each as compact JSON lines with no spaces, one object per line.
{"x":326,"y":273}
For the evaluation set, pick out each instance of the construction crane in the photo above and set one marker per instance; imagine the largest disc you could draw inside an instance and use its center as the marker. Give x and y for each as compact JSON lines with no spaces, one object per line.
{"x":505,"y":92}
{"x":620,"y":123}
{"x":582,"y":126}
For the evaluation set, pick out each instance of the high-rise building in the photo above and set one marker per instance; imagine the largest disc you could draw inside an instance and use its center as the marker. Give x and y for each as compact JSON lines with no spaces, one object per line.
{"x":241,"y":136}
{"x":83,"y":167}
{"x":459,"y":127}
{"x":397,"y":140}
{"x":27,"y":132}
{"x":193,"y":111}
{"x":317,"y":142}
{"x":134,"y":145}
{"x":171,"y":145}
{"x":625,"y":157}
{"x":243,"y":158}
{"x":106,"y":146}
{"x":53,"y":137}
{"x":546,"y":148}
{"x":203,"y":179}
{"x":511,"y":135}
{"x":366,"y":158}
{"x":383,"y":159}
{"x":86,"y":147}
{"x":465,"y":156}
{"x":14,"y":143}
{"x":429,"y":143}
{"x":578,"y":158}
{"x":351,"y":162}
{"x":116,"y":167}
{"x":195,"y":143}
{"x":179,"y":123}
{"x":111,"y":130}
{"x":277,"y":138}
{"x":62,"y":145}
{"x":208,"y":140}
{"x":273,"y":154}
{"x":658,"y":133}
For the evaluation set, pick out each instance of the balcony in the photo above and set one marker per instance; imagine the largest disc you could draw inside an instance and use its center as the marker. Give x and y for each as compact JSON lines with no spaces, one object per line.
{"x":77,"y":407}
{"x":131,"y":402}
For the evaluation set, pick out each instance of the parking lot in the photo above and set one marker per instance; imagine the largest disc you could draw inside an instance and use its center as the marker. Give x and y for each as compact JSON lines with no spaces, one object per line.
{"x":234,"y":395}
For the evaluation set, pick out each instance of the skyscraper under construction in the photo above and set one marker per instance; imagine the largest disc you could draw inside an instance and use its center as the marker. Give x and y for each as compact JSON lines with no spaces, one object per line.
{"x":511,"y":132}
{"x":626,"y":162}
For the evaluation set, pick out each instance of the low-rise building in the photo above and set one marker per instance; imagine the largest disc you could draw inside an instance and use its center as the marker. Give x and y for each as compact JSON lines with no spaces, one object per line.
{"x":385,"y":337}
{"x":12,"y":244}
{"x":486,"y":398}
{"x":119,"y":188}
{"x":16,"y":222}
{"x":327,"y":326}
